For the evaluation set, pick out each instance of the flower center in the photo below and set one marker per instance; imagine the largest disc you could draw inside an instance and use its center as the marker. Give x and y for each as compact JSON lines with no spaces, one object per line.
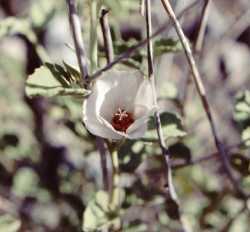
{"x":122,"y":119}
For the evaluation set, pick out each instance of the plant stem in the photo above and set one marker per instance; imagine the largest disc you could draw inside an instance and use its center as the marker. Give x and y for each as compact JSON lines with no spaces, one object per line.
{"x":202,"y":93}
{"x":78,"y":40}
{"x":202,"y":27}
{"x":108,"y":44}
{"x":93,"y":35}
{"x":115,"y":189}
{"x":171,"y":193}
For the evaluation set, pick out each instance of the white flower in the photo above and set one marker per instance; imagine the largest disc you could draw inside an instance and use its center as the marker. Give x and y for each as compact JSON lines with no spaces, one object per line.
{"x":119,"y":106}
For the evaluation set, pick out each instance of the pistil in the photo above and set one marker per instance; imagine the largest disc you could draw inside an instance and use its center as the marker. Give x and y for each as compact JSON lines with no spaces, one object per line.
{"x":122,"y":119}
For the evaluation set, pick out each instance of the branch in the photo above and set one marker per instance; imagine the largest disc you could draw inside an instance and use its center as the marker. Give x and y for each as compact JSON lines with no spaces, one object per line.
{"x":129,"y":52}
{"x":171,"y":193}
{"x":78,"y":40}
{"x":197,"y":48}
{"x":202,"y":27}
{"x":201,"y":91}
{"x":108,"y":44}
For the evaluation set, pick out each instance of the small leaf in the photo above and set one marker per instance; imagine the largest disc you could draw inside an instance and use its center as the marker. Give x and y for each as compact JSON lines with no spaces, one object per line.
{"x":9,"y":224}
{"x":240,"y":163}
{"x":99,"y":215}
{"x":13,"y":26}
{"x":246,"y":136}
{"x":73,"y":72}
{"x":172,"y":209}
{"x":180,"y":151}
{"x":51,"y":80}
{"x":41,"y":12}
{"x":166,"y":45}
{"x":242,"y":107}
{"x":171,"y":125}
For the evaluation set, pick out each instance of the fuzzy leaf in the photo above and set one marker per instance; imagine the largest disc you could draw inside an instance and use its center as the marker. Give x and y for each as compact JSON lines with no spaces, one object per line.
{"x":9,"y":224}
{"x":246,"y":136}
{"x":241,"y":163}
{"x":52,"y":80}
{"x":99,"y":215}
{"x":41,"y":12}
{"x":171,"y":125}
{"x":242,"y":107}
{"x":166,"y":45}
{"x":13,"y":26}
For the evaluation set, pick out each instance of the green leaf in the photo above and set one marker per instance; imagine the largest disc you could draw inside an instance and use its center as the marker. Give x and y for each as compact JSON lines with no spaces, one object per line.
{"x":9,"y":224}
{"x":180,"y":151}
{"x":240,"y":163}
{"x":246,"y":136}
{"x":41,"y":12}
{"x":166,"y":45}
{"x":242,"y":107}
{"x":52,"y":80}
{"x":13,"y":26}
{"x":100,"y":215}
{"x":171,"y":125}
{"x":73,"y":72}
{"x":25,"y":182}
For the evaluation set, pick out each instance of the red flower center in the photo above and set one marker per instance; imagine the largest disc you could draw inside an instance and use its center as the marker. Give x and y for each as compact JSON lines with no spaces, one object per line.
{"x":122,"y":119}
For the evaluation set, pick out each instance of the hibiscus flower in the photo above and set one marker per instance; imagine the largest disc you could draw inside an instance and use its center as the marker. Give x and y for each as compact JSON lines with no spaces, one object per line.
{"x":119,"y":106}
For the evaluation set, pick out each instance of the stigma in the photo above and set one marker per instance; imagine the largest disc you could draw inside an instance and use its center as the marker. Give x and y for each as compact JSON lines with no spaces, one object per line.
{"x":122,"y":119}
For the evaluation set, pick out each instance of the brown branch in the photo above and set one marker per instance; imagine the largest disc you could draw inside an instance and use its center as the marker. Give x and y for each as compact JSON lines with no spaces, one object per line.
{"x":201,"y":91}
{"x":197,"y":49}
{"x":202,"y":27}
{"x":78,"y":40}
{"x":171,"y":192}
{"x":130,"y":51}
{"x":108,"y":44}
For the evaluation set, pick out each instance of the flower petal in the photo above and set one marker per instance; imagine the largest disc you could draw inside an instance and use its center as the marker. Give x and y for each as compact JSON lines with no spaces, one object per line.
{"x":144,"y":101}
{"x":91,"y":108}
{"x":122,"y":94}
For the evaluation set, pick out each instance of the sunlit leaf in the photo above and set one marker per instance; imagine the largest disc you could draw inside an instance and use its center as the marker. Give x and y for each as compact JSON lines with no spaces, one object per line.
{"x":100,"y":215}
{"x":9,"y":224}
{"x":246,"y":136}
{"x":166,"y":45}
{"x":171,"y":125}
{"x":13,"y":26}
{"x":52,"y":80}
{"x":241,"y":163}
{"x":242,"y":107}
{"x":41,"y":12}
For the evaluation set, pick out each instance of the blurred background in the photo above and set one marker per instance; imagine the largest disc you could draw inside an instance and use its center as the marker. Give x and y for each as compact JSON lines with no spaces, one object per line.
{"x":49,"y":165}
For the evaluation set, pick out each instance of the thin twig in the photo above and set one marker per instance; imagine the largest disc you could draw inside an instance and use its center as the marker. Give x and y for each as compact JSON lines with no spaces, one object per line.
{"x":165,"y":151}
{"x":142,"y":7}
{"x":198,"y":45}
{"x":130,"y":51}
{"x":108,"y":45}
{"x":82,"y":61}
{"x":202,"y":27}
{"x":201,"y":90}
{"x":78,"y":40}
{"x":103,"y":155}
{"x":239,"y":25}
